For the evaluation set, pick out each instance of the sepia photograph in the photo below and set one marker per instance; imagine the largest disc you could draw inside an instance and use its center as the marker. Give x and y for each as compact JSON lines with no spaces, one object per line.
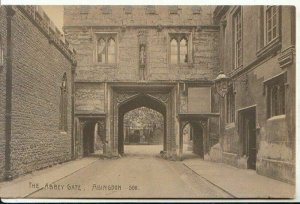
{"x":148,"y":102}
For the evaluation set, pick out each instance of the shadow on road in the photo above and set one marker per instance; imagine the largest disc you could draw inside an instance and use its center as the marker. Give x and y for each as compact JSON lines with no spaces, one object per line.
{"x":142,"y":150}
{"x":189,"y":155}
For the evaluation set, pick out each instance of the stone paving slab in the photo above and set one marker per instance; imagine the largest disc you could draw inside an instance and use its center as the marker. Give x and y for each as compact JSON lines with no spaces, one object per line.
{"x":241,"y":183}
{"x":19,"y":188}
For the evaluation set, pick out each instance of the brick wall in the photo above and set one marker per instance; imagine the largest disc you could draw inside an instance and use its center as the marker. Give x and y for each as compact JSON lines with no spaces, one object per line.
{"x":2,"y":91}
{"x":38,"y":69}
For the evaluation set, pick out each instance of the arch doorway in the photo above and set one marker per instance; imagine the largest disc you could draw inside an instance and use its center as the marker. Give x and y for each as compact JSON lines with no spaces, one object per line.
{"x":90,"y":135}
{"x":89,"y":138}
{"x":141,"y":100}
{"x":93,"y":138}
{"x":199,"y":125}
{"x":192,"y":133}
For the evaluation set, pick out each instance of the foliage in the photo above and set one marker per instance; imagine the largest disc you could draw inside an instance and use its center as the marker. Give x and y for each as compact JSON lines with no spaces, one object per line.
{"x":143,"y":117}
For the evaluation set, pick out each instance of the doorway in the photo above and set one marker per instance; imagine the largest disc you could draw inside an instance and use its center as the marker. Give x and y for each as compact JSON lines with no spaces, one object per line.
{"x":248,"y":135}
{"x":193,"y":143}
{"x":135,"y":132}
{"x":88,"y":139}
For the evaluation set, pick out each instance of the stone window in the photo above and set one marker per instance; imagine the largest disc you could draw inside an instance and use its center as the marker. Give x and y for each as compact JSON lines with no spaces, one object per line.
{"x":106,"y":49}
{"x":1,"y":52}
{"x":271,"y":21}
{"x":230,"y":105}
{"x":150,"y":10}
{"x":64,"y":104}
{"x":237,"y":38}
{"x":276,"y":96}
{"x":179,"y":49}
{"x":174,"y":51}
{"x":269,"y":29}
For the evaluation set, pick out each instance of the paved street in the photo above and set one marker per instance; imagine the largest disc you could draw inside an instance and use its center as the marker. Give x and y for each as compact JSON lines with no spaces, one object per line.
{"x":142,"y":175}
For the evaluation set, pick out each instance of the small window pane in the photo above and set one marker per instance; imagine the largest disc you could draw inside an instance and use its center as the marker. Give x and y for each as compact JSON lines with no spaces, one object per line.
{"x":276,"y":101}
{"x":183,"y":51}
{"x":101,"y":51}
{"x":111,"y":51}
{"x":271,"y":23}
{"x":174,"y":52}
{"x":237,"y":38}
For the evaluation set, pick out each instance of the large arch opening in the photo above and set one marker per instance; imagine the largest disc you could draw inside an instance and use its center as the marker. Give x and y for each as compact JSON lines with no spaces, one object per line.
{"x":140,"y":102}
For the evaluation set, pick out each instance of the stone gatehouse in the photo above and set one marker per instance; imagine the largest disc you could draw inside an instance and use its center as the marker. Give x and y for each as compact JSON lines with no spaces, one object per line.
{"x":57,"y":104}
{"x":160,"y":57}
{"x":167,"y":57}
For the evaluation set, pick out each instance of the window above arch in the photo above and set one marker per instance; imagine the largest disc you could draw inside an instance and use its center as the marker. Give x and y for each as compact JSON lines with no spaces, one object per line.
{"x":106,"y":48}
{"x":111,"y":51}
{"x":183,"y":55}
{"x":180,"y":49}
{"x":174,"y":51}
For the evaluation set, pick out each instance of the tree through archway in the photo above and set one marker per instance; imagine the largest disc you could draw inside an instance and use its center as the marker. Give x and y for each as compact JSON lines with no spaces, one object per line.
{"x":143,"y":109}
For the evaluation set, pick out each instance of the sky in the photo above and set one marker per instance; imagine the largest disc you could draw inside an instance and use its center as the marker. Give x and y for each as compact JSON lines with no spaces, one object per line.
{"x":55,"y":13}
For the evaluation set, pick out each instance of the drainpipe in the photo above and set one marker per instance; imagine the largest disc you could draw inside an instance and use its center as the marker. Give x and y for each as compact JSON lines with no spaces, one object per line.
{"x":8,"y":106}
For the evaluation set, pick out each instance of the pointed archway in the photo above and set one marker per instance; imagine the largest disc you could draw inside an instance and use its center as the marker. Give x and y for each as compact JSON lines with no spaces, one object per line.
{"x":137,"y":101}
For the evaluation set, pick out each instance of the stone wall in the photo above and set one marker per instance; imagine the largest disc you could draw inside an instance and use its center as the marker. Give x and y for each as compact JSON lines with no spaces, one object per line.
{"x":83,"y":25}
{"x":203,"y":43}
{"x":37,"y":72}
{"x":139,"y":15}
{"x":205,"y":56}
{"x":275,"y":136}
{"x":3,"y":25}
{"x":89,"y":97}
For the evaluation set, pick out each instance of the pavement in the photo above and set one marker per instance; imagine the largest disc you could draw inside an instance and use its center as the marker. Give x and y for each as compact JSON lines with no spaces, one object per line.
{"x":21,"y":187}
{"x":240,"y":183}
{"x":144,"y":175}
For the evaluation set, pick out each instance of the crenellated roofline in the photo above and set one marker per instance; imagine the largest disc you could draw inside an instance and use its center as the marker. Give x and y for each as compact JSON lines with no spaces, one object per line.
{"x":40,"y":19}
